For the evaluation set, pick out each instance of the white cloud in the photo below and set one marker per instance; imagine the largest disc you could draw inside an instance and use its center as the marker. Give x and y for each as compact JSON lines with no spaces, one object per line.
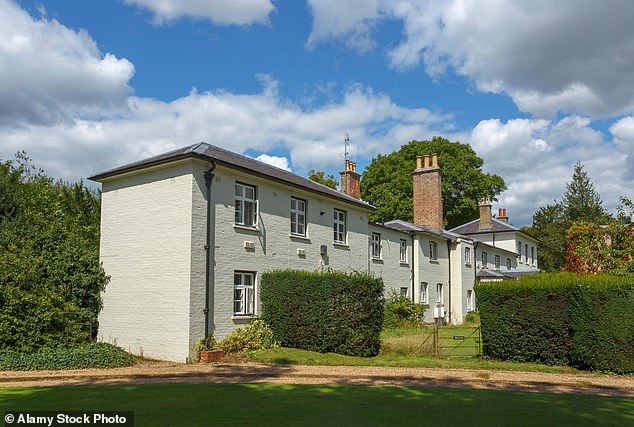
{"x":567,"y":56}
{"x":277,"y":161}
{"x":262,"y":122}
{"x":623,"y":132}
{"x":350,"y":20}
{"x":234,"y":12}
{"x":55,"y":74}
{"x":536,"y":159}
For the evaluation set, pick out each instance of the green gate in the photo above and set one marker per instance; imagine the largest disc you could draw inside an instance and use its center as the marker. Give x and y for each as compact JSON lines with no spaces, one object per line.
{"x":457,"y":341}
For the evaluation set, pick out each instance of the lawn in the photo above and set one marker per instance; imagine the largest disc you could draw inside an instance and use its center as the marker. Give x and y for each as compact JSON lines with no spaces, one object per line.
{"x":410,"y":347}
{"x":310,"y":405}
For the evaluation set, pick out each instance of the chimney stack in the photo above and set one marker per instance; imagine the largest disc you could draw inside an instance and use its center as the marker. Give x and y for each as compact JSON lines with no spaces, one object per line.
{"x":502,"y":216}
{"x":486,"y":221}
{"x":428,"y":193}
{"x":351,"y":180}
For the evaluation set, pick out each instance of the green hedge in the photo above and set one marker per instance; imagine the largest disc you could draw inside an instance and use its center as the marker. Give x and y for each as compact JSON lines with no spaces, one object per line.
{"x":325,"y":312}
{"x":97,"y":355}
{"x":561,"y":319}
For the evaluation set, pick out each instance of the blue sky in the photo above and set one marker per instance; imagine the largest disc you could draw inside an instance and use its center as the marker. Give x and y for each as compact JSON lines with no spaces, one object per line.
{"x":534,"y":87}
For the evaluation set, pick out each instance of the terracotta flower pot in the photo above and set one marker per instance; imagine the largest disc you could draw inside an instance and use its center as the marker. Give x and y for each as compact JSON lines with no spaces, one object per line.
{"x":211,"y":356}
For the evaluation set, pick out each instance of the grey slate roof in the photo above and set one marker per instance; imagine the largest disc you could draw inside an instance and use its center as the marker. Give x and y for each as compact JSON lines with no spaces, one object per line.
{"x":497,"y":226}
{"x":233,"y":160}
{"x":473,"y":227}
{"x":417,"y":228}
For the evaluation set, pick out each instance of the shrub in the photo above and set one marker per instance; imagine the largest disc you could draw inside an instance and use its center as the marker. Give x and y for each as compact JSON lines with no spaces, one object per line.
{"x":255,"y":336}
{"x":562,"y":319}
{"x":325,"y":312}
{"x":472,"y":318}
{"x":399,"y":310}
{"x":95,"y":355}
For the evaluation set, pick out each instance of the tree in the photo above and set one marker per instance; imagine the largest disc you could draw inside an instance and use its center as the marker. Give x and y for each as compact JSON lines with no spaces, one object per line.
{"x":580,"y":203}
{"x":327,"y":180}
{"x":387,"y":181}
{"x":50,"y":275}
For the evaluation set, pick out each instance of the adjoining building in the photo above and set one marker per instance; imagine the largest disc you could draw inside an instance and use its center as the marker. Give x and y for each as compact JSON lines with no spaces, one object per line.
{"x":186,"y":235}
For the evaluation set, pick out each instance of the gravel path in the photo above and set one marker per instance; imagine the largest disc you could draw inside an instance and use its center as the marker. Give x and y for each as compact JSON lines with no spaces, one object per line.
{"x":166,"y":372}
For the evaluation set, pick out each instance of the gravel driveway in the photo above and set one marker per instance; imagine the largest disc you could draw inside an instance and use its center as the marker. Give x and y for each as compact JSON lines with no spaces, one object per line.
{"x":167,"y":372}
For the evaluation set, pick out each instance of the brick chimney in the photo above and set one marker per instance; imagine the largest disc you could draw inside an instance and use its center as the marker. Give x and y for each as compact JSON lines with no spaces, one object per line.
{"x":502,"y":216}
{"x":428,"y":192}
{"x":351,"y":180}
{"x":486,"y":221}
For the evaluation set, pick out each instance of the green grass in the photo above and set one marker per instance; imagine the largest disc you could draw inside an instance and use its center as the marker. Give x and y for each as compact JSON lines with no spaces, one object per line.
{"x":409,"y":347}
{"x":291,"y":356}
{"x":310,"y":405}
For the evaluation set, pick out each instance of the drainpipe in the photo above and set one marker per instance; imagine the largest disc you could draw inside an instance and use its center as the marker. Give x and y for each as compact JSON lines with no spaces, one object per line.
{"x":209,"y":176}
{"x":475,"y":262}
{"x":449,"y":260}
{"x":413,"y":277}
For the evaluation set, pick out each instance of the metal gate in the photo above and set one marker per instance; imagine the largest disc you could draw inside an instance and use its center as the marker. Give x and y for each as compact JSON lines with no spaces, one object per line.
{"x":457,"y":341}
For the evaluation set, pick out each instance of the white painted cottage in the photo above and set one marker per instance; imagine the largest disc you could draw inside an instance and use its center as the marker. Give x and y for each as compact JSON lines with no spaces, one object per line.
{"x":186,"y":235}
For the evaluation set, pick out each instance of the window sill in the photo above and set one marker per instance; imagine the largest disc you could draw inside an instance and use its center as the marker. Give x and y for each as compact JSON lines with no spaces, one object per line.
{"x":242,"y":316}
{"x":468,"y":265}
{"x":341,"y":245}
{"x":377,"y":260}
{"x":246,"y":228}
{"x":434,"y":261}
{"x":299,"y":237}
{"x":404,"y":263}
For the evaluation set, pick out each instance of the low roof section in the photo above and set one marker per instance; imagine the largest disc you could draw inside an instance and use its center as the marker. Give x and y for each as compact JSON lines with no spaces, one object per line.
{"x":497,"y":226}
{"x":220,"y":156}
{"x":408,"y":227}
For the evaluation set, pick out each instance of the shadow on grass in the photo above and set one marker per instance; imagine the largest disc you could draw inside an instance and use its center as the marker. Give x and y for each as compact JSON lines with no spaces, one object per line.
{"x":289,"y":405}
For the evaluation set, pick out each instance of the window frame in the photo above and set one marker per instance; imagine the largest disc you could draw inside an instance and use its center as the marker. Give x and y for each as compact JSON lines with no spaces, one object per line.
{"x":247,"y":299}
{"x":440,"y":294}
{"x":484,"y":259}
{"x":433,"y":251}
{"x":375,"y":245}
{"x":509,"y":263}
{"x":497,"y":261}
{"x":403,"y":294}
{"x":467,"y":255}
{"x":340,"y":221}
{"x":533,"y":255}
{"x":295,"y":213}
{"x":424,"y":293}
{"x":241,"y":202}
{"x":470,"y":302}
{"x":403,"y":251}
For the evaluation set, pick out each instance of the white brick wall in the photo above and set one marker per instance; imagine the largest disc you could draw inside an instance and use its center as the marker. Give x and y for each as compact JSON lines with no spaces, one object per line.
{"x":395,"y":274}
{"x":146,"y":225}
{"x":275,"y":248}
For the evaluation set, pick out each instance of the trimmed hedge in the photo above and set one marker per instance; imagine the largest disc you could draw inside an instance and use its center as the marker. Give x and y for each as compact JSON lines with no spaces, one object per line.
{"x":325,"y":312}
{"x":560,"y":319}
{"x":97,"y":355}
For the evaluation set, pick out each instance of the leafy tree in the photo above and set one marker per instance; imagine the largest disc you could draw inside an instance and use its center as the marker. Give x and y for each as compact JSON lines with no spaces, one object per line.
{"x":327,"y":180}
{"x":387,"y":181}
{"x":50,"y":276}
{"x":580,"y":203}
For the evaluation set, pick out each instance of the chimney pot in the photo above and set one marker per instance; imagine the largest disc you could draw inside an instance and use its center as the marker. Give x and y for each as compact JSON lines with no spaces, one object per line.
{"x":434,"y":160}
{"x":351,"y":180}
{"x":419,"y":162}
{"x":426,"y":161}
